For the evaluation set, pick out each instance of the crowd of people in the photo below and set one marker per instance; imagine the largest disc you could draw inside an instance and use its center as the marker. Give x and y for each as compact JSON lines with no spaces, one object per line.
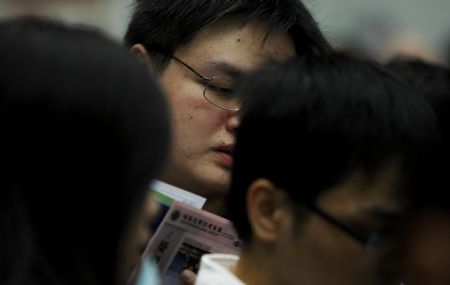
{"x":331,"y":166}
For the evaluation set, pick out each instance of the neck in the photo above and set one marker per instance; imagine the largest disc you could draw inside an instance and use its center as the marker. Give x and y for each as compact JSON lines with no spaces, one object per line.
{"x":256,"y":267}
{"x":216,"y":205}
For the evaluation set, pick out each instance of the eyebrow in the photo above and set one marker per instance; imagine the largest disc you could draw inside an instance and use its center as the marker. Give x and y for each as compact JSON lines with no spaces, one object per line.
{"x":225,"y":68}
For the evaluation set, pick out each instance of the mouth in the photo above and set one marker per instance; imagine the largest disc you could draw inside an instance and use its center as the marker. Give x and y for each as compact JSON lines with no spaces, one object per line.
{"x":227,"y":149}
{"x":225,"y":155}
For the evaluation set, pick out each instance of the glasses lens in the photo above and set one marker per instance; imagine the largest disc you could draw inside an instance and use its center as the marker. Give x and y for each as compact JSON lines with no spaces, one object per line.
{"x":220,"y":93}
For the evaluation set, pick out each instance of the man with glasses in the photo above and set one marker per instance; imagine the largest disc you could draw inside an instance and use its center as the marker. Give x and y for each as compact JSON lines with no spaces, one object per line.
{"x":327,"y":150}
{"x":198,"y":47}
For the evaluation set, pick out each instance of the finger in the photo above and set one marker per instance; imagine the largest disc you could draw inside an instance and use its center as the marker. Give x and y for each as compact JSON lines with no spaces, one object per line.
{"x":188,"y":277}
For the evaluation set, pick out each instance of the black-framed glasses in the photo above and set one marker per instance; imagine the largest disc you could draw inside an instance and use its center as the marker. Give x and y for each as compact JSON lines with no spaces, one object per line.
{"x":374,"y":241}
{"x":218,"y":91}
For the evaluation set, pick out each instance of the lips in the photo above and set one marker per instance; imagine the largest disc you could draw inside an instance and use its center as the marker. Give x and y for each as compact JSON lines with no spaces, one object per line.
{"x":224,"y":155}
{"x":228,"y":149}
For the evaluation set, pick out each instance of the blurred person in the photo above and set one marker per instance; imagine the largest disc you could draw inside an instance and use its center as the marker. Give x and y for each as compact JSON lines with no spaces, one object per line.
{"x":409,"y":44}
{"x":425,"y":251}
{"x":326,"y":152}
{"x":198,"y":47}
{"x":84,"y":130}
{"x":447,"y":49}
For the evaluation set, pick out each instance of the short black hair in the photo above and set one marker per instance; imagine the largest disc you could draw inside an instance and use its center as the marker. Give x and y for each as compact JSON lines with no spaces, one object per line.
{"x":163,"y":26}
{"x":84,"y":131}
{"x":309,"y":123}
{"x":431,"y":80}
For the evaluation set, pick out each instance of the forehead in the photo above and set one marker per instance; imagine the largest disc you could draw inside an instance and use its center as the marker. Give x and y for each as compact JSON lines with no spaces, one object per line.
{"x":381,"y":191}
{"x":243,"y":46}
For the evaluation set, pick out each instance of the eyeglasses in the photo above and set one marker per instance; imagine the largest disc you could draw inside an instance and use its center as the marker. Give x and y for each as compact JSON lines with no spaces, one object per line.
{"x":374,"y":242}
{"x":218,"y":91}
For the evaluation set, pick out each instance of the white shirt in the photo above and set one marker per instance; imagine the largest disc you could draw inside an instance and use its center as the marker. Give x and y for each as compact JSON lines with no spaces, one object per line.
{"x":217,"y":269}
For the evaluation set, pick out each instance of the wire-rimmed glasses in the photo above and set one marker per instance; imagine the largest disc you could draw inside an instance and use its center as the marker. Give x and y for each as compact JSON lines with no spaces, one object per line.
{"x":218,"y":91}
{"x":373,"y":242}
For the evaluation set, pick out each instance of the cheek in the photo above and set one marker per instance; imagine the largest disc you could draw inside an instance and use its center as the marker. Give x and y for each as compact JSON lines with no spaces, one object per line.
{"x":189,"y":109}
{"x":197,"y":117}
{"x":195,"y":127}
{"x":332,"y":256}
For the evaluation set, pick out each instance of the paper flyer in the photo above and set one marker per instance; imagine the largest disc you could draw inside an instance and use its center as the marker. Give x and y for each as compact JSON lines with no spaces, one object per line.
{"x":167,"y":194}
{"x":184,"y":235}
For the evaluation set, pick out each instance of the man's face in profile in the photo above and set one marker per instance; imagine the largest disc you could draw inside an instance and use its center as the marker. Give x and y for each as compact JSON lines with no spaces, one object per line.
{"x":203,"y":134}
{"x":322,"y":251}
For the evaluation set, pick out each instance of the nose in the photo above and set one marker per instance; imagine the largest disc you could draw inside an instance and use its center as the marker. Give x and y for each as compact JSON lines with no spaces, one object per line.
{"x":233,"y":121}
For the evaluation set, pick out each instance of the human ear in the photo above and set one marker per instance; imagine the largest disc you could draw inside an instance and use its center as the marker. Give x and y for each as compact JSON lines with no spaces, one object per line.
{"x":265,"y":209}
{"x":141,"y":52}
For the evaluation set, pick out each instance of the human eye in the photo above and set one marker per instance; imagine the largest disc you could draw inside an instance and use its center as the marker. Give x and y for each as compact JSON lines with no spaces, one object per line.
{"x":220,"y":87}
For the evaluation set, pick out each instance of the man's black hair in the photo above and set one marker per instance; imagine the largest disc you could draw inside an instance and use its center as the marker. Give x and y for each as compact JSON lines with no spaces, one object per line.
{"x":309,"y":123}
{"x":163,"y":26}
{"x":432,"y":80}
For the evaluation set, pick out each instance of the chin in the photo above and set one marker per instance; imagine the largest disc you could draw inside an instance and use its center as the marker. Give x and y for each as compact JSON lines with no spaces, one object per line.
{"x":216,"y":185}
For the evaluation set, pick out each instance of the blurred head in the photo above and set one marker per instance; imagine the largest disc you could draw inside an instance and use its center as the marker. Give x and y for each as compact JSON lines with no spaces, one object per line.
{"x":426,"y":239}
{"x":199,"y":47}
{"x":325,"y":153}
{"x":409,"y":43}
{"x":85,"y":130}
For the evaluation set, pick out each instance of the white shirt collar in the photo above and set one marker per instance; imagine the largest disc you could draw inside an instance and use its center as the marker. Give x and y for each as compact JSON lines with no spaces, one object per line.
{"x":218,"y":269}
